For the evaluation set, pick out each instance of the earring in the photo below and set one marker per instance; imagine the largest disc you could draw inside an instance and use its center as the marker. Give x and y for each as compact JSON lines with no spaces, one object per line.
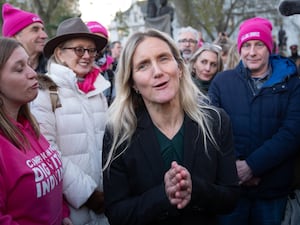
{"x":137,"y":91}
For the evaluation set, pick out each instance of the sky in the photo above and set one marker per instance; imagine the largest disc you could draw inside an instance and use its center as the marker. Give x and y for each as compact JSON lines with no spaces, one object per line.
{"x":102,"y":11}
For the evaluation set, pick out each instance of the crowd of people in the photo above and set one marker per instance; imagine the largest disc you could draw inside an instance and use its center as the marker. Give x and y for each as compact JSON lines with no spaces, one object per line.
{"x":157,"y":130}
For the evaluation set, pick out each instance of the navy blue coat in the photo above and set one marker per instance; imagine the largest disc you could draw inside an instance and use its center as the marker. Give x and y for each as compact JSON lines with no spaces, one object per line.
{"x":266,"y":125}
{"x":134,"y":183}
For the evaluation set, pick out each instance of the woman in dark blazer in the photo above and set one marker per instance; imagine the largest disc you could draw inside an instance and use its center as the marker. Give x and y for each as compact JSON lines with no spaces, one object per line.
{"x":168,"y":155}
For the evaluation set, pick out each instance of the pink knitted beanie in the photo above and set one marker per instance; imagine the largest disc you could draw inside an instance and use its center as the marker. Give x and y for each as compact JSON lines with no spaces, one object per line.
{"x":257,"y":28}
{"x":96,"y":27}
{"x":14,"y":20}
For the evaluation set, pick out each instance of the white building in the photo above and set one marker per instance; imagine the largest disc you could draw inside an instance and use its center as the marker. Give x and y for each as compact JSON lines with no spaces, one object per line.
{"x":133,"y":20}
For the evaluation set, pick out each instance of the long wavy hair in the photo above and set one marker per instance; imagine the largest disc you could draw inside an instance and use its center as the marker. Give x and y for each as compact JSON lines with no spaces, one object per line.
{"x":122,"y":120}
{"x":8,"y":129}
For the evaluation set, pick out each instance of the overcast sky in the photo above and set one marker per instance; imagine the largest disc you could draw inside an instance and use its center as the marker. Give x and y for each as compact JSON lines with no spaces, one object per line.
{"x":102,"y":11}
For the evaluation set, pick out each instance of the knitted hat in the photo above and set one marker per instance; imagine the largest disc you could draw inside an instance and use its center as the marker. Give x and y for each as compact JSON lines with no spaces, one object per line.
{"x":15,"y":20}
{"x":70,"y":29}
{"x":257,"y":28}
{"x":96,"y":27}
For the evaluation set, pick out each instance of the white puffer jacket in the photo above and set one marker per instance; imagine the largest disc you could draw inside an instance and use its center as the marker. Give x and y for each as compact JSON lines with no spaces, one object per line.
{"x":76,"y":129}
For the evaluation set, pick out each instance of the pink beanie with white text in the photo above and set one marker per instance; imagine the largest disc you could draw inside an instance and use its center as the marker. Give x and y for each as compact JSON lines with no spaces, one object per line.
{"x":15,"y":20}
{"x":257,"y":28}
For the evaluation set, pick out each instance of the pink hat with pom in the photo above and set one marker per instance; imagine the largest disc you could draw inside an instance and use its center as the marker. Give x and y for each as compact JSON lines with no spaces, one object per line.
{"x":256,"y":28}
{"x":96,"y":27}
{"x":15,"y":20}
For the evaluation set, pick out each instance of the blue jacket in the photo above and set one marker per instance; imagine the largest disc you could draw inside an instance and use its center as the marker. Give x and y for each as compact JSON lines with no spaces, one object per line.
{"x":266,"y":124}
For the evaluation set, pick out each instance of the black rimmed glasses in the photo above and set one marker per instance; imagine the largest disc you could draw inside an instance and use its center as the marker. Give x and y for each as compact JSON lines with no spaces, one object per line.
{"x":79,"y":51}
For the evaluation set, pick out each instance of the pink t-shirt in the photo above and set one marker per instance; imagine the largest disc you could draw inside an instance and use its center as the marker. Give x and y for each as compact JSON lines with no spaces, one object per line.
{"x":30,"y":182}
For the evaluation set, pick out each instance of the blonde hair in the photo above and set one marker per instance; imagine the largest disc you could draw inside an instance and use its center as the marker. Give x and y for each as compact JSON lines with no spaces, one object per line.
{"x":9,"y":130}
{"x":122,"y":120}
{"x":207,"y":47}
{"x":233,"y":57}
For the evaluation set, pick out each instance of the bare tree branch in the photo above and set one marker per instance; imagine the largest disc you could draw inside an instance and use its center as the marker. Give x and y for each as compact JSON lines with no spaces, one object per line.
{"x":214,"y":16}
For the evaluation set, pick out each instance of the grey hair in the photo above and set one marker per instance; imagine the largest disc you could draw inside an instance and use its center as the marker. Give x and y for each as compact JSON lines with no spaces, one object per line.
{"x":188,"y":29}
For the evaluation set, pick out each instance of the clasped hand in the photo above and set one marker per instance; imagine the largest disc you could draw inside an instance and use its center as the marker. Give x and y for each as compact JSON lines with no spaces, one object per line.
{"x":178,"y":185}
{"x":245,"y":174}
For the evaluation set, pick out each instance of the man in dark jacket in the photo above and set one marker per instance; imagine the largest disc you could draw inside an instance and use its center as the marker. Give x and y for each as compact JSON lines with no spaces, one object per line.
{"x":261,"y":96}
{"x":28,"y":29}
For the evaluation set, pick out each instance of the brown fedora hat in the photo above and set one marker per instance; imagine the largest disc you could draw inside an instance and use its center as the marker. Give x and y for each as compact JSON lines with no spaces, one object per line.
{"x":69,"y":29}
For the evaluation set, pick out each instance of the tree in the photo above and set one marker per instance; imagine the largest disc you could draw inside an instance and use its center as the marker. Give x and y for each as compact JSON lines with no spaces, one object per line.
{"x":214,"y":16}
{"x":122,"y":25}
{"x":51,"y":11}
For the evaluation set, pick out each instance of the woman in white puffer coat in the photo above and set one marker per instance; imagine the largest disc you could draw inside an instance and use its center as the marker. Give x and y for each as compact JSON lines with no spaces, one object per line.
{"x":77,"y":124}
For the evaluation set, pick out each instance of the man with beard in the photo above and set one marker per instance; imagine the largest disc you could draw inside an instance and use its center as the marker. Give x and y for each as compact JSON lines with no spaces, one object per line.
{"x":187,"y":42}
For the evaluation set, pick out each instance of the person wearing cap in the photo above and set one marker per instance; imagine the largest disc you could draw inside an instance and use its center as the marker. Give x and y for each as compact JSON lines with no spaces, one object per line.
{"x":261,"y":96}
{"x":104,"y":60}
{"x":76,"y":128}
{"x":27,"y":28}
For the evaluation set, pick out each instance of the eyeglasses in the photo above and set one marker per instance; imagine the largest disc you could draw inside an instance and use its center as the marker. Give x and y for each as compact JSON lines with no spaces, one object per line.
{"x":190,"y":41}
{"x":79,"y":51}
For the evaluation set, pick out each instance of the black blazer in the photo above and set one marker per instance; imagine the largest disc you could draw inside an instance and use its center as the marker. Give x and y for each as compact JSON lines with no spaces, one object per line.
{"x":134,"y":183}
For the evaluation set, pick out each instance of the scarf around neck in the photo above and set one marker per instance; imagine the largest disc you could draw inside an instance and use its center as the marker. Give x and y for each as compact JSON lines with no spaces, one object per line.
{"x":87,"y":84}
